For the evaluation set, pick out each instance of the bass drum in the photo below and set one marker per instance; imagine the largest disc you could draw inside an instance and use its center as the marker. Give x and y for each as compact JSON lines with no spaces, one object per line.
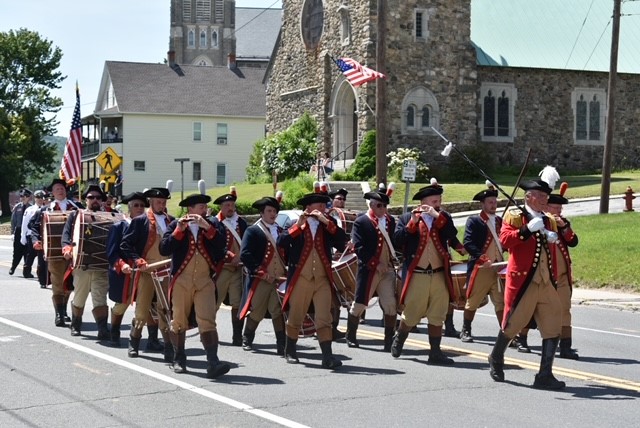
{"x":90,"y":233}
{"x":52,"y":226}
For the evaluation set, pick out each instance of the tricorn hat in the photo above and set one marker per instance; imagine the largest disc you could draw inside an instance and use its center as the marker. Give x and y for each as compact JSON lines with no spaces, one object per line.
{"x":312,"y":198}
{"x":536,"y":184}
{"x":558,"y":198}
{"x":378,"y":196}
{"x":157,"y":192}
{"x":135,"y":196}
{"x":95,"y":188}
{"x":196,"y":198}
{"x":342,"y":192}
{"x":267,"y":201}
{"x":433,"y":189}
{"x":489,"y":192}
{"x":56,"y":181}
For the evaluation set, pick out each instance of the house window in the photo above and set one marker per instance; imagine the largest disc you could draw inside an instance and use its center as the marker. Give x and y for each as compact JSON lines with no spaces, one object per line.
{"x":497,"y":101}
{"x":420,"y":25}
{"x":421,"y":112}
{"x":197,"y":131}
{"x":191,"y":41}
{"x":197,"y":171}
{"x":203,"y":10}
{"x":222,"y":133}
{"x":186,"y":10}
{"x":203,"y":39}
{"x":138,"y":165}
{"x":214,"y":38}
{"x":221,"y":173}
{"x":589,"y":108}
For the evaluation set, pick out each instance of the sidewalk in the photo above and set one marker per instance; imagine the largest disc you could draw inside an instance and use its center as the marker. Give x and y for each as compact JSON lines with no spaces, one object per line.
{"x":606,"y":297}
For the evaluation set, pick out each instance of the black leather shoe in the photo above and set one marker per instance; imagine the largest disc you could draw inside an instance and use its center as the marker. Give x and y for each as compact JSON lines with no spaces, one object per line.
{"x":438,"y":358}
{"x":11,"y":271}
{"x":331,"y":363}
{"x":217,"y":370}
{"x":28,"y":275}
{"x":548,"y":382}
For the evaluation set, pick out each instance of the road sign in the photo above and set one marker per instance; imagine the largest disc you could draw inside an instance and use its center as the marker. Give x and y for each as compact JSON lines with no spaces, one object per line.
{"x":109,"y":160}
{"x":108,"y":178}
{"x":409,"y":168}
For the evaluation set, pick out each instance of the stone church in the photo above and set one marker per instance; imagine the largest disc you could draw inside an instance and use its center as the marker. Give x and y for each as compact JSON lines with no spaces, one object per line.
{"x":440,"y":75}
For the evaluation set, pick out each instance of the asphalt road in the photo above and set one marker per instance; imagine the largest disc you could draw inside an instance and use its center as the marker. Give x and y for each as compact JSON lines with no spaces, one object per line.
{"x":49,"y":378}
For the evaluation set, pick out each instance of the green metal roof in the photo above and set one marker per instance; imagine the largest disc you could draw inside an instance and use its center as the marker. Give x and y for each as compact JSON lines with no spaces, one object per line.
{"x":554,"y":34}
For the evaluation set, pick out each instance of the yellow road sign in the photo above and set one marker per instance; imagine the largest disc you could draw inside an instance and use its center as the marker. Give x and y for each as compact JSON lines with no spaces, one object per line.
{"x":109,"y":160}
{"x":108,"y":178}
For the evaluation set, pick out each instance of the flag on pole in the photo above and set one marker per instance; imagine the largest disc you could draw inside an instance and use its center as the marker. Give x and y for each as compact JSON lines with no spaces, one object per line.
{"x":71,"y":161}
{"x":356,"y":73}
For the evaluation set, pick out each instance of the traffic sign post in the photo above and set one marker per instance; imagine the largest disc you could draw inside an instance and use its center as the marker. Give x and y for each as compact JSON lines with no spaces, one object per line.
{"x":109,"y":160}
{"x":409,"y":168}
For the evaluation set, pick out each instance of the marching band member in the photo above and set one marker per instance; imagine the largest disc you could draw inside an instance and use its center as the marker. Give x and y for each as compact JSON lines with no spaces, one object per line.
{"x":339,"y":198}
{"x":481,"y":240}
{"x":267,"y":270}
{"x":195,"y":247}
{"x":567,"y":238}
{"x":120,"y":281}
{"x":141,"y":245}
{"x":530,"y":289}
{"x":89,"y":280}
{"x":229,"y":272}
{"x":423,"y":235}
{"x":376,"y":273}
{"x":60,"y":286}
{"x":20,"y":251}
{"x":308,"y":243}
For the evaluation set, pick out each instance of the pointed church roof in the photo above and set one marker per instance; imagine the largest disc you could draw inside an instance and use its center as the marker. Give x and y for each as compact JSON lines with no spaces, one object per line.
{"x":552,"y":34}
{"x":256,"y":31}
{"x":186,"y":89}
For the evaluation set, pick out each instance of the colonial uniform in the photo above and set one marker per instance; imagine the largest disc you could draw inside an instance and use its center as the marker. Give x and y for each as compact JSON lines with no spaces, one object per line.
{"x":530,"y":290}
{"x":87,"y":281}
{"x":309,"y":277}
{"x":428,"y":287}
{"x":482,"y":242}
{"x":229,"y":276}
{"x":20,"y":250}
{"x":194,"y":253}
{"x":371,"y":237}
{"x":61,"y":278}
{"x":567,"y":238}
{"x":266,"y":268}
{"x":141,"y":244}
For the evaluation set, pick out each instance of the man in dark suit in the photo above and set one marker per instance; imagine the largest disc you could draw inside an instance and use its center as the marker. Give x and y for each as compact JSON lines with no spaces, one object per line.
{"x":19,"y":249}
{"x":371,"y":237}
{"x":308,"y":244}
{"x":266,"y":271}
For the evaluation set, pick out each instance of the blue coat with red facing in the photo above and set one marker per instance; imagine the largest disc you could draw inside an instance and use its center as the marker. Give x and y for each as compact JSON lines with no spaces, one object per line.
{"x":297,"y":242}
{"x":477,"y":239}
{"x":181,"y":246}
{"x":257,"y":253}
{"x":369,"y":242}
{"x":412,"y":239}
{"x":120,"y":285}
{"x":229,"y":238}
{"x":525,"y":248}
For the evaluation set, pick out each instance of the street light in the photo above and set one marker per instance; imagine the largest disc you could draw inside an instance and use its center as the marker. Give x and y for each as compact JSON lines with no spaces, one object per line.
{"x":182,"y":161}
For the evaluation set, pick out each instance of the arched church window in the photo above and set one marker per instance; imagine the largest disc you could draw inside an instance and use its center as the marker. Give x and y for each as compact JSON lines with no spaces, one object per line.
{"x":203,"y":39}
{"x":497,"y":102}
{"x":411,"y":117}
{"x":214,"y":38}
{"x":421,"y":111}
{"x":425,"y":117}
{"x":191,"y":39}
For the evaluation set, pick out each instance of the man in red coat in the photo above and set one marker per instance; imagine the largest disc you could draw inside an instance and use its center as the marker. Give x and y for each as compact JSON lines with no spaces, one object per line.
{"x":530,"y":290}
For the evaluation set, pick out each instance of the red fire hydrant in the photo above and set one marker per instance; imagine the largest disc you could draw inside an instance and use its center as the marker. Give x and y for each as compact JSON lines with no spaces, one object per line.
{"x":628,"y":198}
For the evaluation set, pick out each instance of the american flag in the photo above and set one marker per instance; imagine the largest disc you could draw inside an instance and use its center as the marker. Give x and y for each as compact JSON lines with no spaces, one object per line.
{"x":71,"y":161}
{"x":356,"y":73}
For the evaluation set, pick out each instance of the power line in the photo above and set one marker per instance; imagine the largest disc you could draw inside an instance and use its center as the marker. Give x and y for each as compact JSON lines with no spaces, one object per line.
{"x":597,"y":43}
{"x":578,"y":36}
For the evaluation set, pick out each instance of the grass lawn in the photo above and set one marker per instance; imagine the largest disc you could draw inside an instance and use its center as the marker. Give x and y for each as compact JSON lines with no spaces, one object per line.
{"x":606,"y":251}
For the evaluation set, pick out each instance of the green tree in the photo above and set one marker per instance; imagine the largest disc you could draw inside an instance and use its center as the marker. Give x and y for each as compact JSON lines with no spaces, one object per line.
{"x":364,"y":166}
{"x":289,"y":152}
{"x":28,"y":72}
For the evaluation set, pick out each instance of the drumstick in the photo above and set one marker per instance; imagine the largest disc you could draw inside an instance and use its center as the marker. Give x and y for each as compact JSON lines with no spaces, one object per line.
{"x":156,"y":264}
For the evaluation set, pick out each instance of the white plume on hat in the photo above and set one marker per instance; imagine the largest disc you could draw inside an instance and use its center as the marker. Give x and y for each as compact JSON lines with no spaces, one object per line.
{"x":433,"y":181}
{"x":550,"y":175}
{"x":202,"y":187}
{"x":169,"y":185}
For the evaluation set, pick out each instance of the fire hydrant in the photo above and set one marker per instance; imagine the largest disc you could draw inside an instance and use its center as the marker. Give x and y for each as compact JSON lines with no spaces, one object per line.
{"x":628,"y":198}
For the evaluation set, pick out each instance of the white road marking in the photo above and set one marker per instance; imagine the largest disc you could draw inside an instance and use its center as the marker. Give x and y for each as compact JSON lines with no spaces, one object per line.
{"x":180,"y":384}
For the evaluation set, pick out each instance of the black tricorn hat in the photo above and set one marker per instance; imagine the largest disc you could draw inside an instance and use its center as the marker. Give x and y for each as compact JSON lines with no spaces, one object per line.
{"x":224,"y":198}
{"x":158,"y":192}
{"x":312,"y":198}
{"x":536,"y":184}
{"x":433,"y":189}
{"x":95,"y":188}
{"x":342,"y":192}
{"x":25,"y":192}
{"x":56,"y":181}
{"x":486,"y":193}
{"x":267,"y":201}
{"x":554,"y":198}
{"x":196,"y":198}
{"x":378,"y":196}
{"x":136,"y":196}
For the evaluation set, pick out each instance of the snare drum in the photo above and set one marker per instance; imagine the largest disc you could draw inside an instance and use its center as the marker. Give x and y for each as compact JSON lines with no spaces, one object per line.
{"x":459,"y":280}
{"x":90,"y":233}
{"x":344,"y":219}
{"x":52,"y":226}
{"x":344,"y":278}
{"x":308,"y":328}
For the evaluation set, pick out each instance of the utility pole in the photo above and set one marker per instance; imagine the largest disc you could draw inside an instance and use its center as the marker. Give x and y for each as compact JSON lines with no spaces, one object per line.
{"x":182,"y":161}
{"x":611,"y":98}
{"x":381,"y":96}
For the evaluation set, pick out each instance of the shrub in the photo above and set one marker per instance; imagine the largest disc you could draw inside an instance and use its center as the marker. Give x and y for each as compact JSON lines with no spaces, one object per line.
{"x":460,"y":169}
{"x":396,"y":162}
{"x":364,"y":167}
{"x":295,"y":189}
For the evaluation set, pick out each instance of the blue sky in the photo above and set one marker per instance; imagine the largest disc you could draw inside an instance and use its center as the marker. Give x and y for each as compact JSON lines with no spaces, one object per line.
{"x":90,"y":32}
